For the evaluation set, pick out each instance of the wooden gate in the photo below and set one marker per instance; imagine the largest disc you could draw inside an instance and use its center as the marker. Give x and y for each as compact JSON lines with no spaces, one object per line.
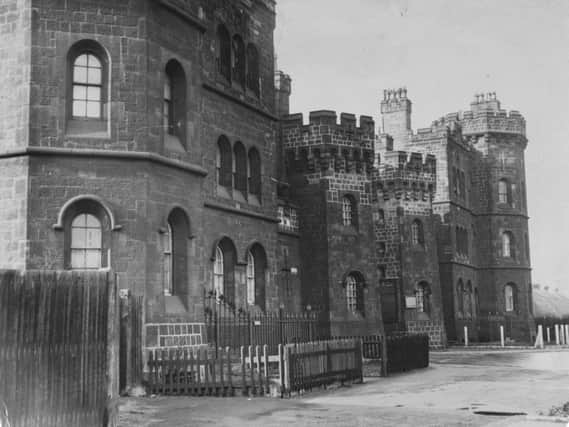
{"x":58,"y":348}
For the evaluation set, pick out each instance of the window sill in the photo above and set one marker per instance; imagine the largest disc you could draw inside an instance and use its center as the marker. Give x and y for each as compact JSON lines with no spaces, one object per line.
{"x":173,"y":144}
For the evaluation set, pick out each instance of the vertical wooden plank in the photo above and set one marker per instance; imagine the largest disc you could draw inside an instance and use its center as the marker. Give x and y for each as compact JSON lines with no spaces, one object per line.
{"x":199,"y":371}
{"x":252,"y":368}
{"x":266,"y":364}
{"x":243,"y":375}
{"x":259,"y":372}
{"x":229,"y":370}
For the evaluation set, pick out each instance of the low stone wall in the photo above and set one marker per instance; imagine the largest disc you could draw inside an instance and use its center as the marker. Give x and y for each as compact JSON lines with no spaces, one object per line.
{"x":435,"y":330}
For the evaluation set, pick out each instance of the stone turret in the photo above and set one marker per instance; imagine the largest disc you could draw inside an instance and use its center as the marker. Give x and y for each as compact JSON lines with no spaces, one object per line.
{"x":396,"y":114}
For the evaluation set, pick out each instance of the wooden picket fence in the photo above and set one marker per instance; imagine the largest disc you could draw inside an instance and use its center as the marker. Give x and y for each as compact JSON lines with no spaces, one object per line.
{"x":315,"y":364}
{"x":206,"y":372}
{"x":58,"y":348}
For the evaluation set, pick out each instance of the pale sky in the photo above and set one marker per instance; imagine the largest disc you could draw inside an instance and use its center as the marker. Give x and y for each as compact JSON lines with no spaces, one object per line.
{"x":342,"y":54}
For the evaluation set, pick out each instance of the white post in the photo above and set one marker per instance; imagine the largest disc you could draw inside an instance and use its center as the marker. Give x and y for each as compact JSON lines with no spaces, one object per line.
{"x":556,"y":327}
{"x":561,"y":335}
{"x":539,"y":338}
{"x":466,"y":336}
{"x":548,"y":335}
{"x":566,"y":334}
{"x":502,"y":335}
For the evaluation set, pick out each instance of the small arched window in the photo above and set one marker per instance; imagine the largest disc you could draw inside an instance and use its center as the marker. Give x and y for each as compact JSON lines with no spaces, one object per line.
{"x":417,"y":237}
{"x":504,"y":191}
{"x":349,"y":211}
{"x":354,"y":293}
{"x":422,"y":295}
{"x":168,"y":268}
{"x":510,"y":297}
{"x":253,"y":69}
{"x":174,"y":115}
{"x":460,"y":297}
{"x":507,"y":245}
{"x":176,"y":253}
{"x":224,"y":163}
{"x":238,"y":57}
{"x":224,"y":52}
{"x":240,"y":177}
{"x":254,"y":172}
{"x":86,"y":242}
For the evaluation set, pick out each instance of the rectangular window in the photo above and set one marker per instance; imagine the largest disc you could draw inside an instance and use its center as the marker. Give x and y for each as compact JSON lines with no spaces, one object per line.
{"x":288,"y":218}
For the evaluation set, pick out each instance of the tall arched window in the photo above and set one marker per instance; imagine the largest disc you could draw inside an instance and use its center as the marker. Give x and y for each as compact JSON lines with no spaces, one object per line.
{"x":460,"y":297}
{"x":174,"y":116}
{"x":254,"y":172}
{"x":224,"y":163}
{"x":87,"y":86}
{"x":510,"y":297}
{"x":218,"y":287}
{"x":256,"y":272}
{"x":238,"y":60}
{"x":468,"y":299}
{"x":240,"y":177}
{"x":224,"y":260}
{"x":86,"y":242}
{"x":507,"y":245}
{"x":417,"y":237}
{"x":349,"y":211}
{"x":224,"y":52}
{"x":253,"y":69}
{"x":422,"y":294}
{"x":354,"y":293}
{"x":176,"y":259}
{"x":504,"y":191}
{"x":250,"y":278}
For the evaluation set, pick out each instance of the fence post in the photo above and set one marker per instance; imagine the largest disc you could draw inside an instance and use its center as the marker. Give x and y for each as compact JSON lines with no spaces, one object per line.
{"x":384,"y":355}
{"x":566,"y":334}
{"x":250,"y":322}
{"x":281,"y":325}
{"x":548,"y":335}
{"x":502,"y":335}
{"x":539,"y":338}
{"x":556,"y":328}
{"x":466,"y":336}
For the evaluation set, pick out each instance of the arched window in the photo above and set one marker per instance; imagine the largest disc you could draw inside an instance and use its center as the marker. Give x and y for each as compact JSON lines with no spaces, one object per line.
{"x":422,"y":294}
{"x":224,"y":52}
{"x":256,"y":272}
{"x":174,"y":116}
{"x":253,"y":69}
{"x":176,"y":253}
{"x":507,"y":244}
{"x":503,"y":191}
{"x":218,"y":288}
{"x":240,"y":177}
{"x":510,"y":297}
{"x":87,"y":225}
{"x":238,"y":60}
{"x":349,"y":211}
{"x":224,"y":163}
{"x":417,"y":237}
{"x":86,"y":242}
{"x":87,"y":86}
{"x":468,"y":299}
{"x":250,"y":278}
{"x":354,"y":293}
{"x":254,"y":172}
{"x":460,"y":298}
{"x":87,"y":89}
{"x":225,"y":258}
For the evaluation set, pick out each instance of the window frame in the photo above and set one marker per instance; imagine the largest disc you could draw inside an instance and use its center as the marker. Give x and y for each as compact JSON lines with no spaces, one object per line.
{"x":85,"y":249}
{"x":224,"y":52}
{"x":422,"y":297}
{"x":417,"y":233}
{"x":510,"y":301}
{"x":349,"y":211}
{"x":250,"y":278}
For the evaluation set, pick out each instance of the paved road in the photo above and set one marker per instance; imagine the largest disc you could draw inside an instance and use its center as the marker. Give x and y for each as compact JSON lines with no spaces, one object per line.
{"x":456,"y":386}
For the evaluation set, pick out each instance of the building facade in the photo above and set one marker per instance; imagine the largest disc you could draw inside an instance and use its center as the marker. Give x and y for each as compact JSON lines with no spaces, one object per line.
{"x":151,"y":137}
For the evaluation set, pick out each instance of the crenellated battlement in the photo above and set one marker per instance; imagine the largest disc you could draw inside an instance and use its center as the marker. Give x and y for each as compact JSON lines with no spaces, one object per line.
{"x":395,"y":100}
{"x":325,"y":122}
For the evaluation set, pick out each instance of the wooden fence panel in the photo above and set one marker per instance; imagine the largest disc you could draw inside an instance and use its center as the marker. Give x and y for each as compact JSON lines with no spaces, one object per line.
{"x":54,"y":343}
{"x":131,"y":323}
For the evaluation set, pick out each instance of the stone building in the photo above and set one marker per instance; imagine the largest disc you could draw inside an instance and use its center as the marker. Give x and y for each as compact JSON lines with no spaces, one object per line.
{"x":151,"y":137}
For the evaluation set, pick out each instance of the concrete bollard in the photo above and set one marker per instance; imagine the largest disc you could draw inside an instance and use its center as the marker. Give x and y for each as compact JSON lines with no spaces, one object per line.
{"x":556,"y":327}
{"x":466,"y":336}
{"x":548,"y":335}
{"x":502,"y":335}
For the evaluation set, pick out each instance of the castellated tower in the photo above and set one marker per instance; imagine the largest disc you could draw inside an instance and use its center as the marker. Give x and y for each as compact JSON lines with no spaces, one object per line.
{"x":405,"y":232}
{"x":329,"y":168}
{"x":396,"y":115}
{"x":499,"y":141}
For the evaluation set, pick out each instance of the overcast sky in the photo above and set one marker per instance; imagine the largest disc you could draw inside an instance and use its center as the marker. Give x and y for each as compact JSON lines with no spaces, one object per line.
{"x":342,"y":54}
